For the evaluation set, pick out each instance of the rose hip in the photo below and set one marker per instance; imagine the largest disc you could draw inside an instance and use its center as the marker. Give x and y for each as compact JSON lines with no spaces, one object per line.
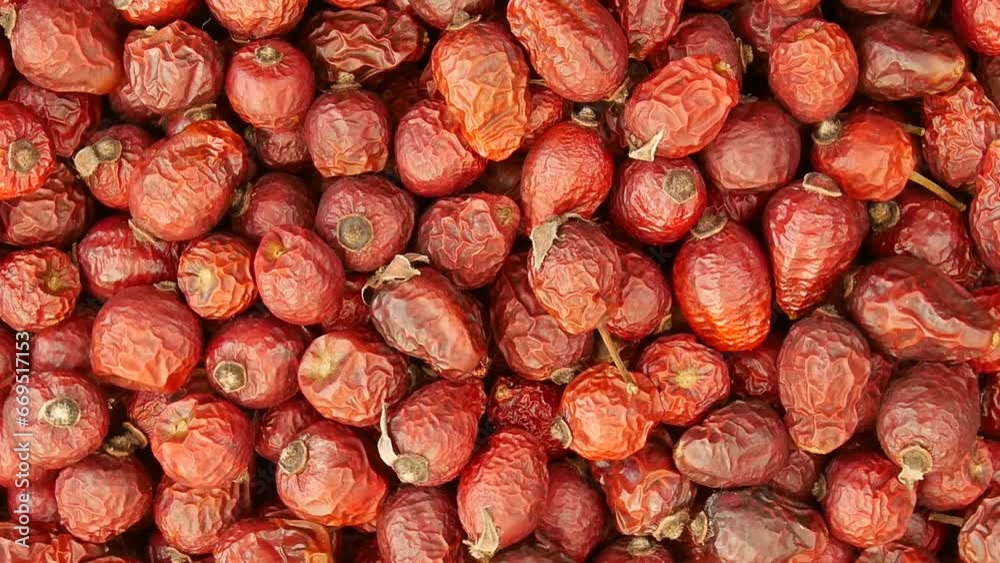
{"x":115,"y":254}
{"x":27,"y":153}
{"x":646,"y":302}
{"x":353,"y":313}
{"x":38,"y":288}
{"x":989,"y":74}
{"x":547,"y":110}
{"x":960,"y":124}
{"x":529,"y":405}
{"x":976,"y":23}
{"x":758,"y":23}
{"x":65,"y":346}
{"x":215,"y":276}
{"x":896,"y":553}
{"x":270,"y":85}
{"x":43,"y":510}
{"x":67,"y":116}
{"x":266,"y":19}
{"x":273,"y":200}
{"x":102,"y":496}
{"x":755,"y":372}
{"x":273,"y":540}
{"x":639,"y":549}
{"x":299,"y":277}
{"x":912,"y":11}
{"x":432,"y":159}
{"x":923,"y":533}
{"x":141,"y":13}
{"x":347,"y":132}
{"x":691,"y":378}
{"x":574,"y":517}
{"x":957,"y":487}
{"x":798,"y":478}
{"x":106,"y":163}
{"x":192,"y":520}
{"x":983,"y":212}
{"x":900,"y":60}
{"x":279,"y":425}
{"x":704,"y":34}
{"x":284,"y":151}
{"x":658,"y":202}
{"x":439,"y":534}
{"x":56,"y":214}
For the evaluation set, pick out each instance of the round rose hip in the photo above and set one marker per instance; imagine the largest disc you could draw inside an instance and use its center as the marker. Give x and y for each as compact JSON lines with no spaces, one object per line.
{"x":27,"y":153}
{"x":115,"y":254}
{"x":102,"y":496}
{"x":637,"y":549}
{"x":65,"y":346}
{"x":67,"y":116}
{"x":107,"y":161}
{"x":658,"y":202}
{"x":960,"y":125}
{"x":691,"y":378}
{"x":192,"y":520}
{"x":431,"y":158}
{"x":214,"y":274}
{"x":273,"y":200}
{"x":300,"y":278}
{"x":439,"y":535}
{"x":273,"y":540}
{"x":145,"y":339}
{"x":266,"y":18}
{"x":280,"y":150}
{"x":977,"y":23}
{"x":646,"y":303}
{"x":57,"y":214}
{"x":38,"y":288}
{"x":141,"y":13}
{"x":348,"y":132}
{"x":270,"y":85}
{"x":279,"y":425}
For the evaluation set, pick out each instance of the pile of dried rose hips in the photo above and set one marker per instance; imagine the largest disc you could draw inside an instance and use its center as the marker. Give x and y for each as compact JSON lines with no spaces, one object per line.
{"x":545,"y":281}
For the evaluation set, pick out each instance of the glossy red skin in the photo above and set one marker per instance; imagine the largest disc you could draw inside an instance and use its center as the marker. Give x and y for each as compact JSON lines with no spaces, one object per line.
{"x":263,"y":19}
{"x":284,"y":151}
{"x":53,"y":446}
{"x":930,"y":229}
{"x":84,"y":55}
{"x":666,"y":102}
{"x":569,"y":169}
{"x":592,"y":57}
{"x":192,"y":520}
{"x":977,"y":24}
{"x":267,"y":349}
{"x":957,"y":487}
{"x":469,"y":237}
{"x":43,"y":511}
{"x":913,"y":311}
{"x":420,"y":524}
{"x":900,"y":60}
{"x":108,"y":175}
{"x":531,"y":340}
{"x":865,"y":504}
{"x":760,"y":24}
{"x":347,"y":132}
{"x":732,"y":264}
{"x":494,"y":127}
{"x":985,"y":208}
{"x":645,"y":492}
{"x":634,"y":550}
{"x":691,"y":378}
{"x":509,"y":480}
{"x":431,"y":157}
{"x":353,"y":311}
{"x":606,"y":421}
{"x":658,"y":202}
{"x":529,"y":405}
{"x":823,"y":369}
{"x":39,"y":288}
{"x":299,"y":277}
{"x":112,"y":256}
{"x":141,"y":13}
{"x":215,"y":276}
{"x":337,"y":485}
{"x":574,"y":517}
{"x":173,"y":68}
{"x":757,"y":150}
{"x":20,"y":123}
{"x":274,"y":199}
{"x":960,"y":124}
{"x":65,"y":346}
{"x":923,"y":533}
{"x":648,"y":25}
{"x":57,"y":214}
{"x":934,"y":406}
{"x":102,"y":496}
{"x":989,"y":75}
{"x":872,"y":159}
{"x":68,"y":116}
{"x":547,"y":109}
{"x":273,"y":540}
{"x":646,"y":301}
{"x":896,"y":553}
{"x":813,"y":69}
{"x":181,"y":202}
{"x":430,"y":319}
{"x":439,"y":422}
{"x":145,"y":339}
{"x":871,"y":398}
{"x":349,"y":375}
{"x":702,"y":34}
{"x":755,"y":372}
{"x":279,"y":425}
{"x":270,"y":94}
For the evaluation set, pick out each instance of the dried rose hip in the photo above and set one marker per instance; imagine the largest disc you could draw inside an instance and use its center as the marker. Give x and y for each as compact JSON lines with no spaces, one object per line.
{"x":755,"y":372}
{"x":929,"y":419}
{"x":895,"y":553}
{"x":923,"y":533}
{"x":658,"y":202}
{"x":176,"y":122}
{"x":977,"y":23}
{"x":215,"y":275}
{"x":145,"y":339}
{"x":680,"y":108}
{"x":253,"y":361}
{"x":368,"y":220}
{"x":547,"y":109}
{"x":202,"y":441}
{"x":573,"y":520}
{"x":143,"y":407}
{"x":529,"y":405}
{"x":704,"y":34}
{"x":494,"y":129}
{"x":443,"y":14}
{"x":280,"y":150}
{"x":422,"y":314}
{"x":603,"y":418}
{"x":106,"y":163}
{"x":65,"y":346}
{"x":722,"y":282}
{"x":68,"y":116}
{"x":531,"y":341}
{"x":142,"y":13}
{"x":270,"y":84}
{"x":265,"y":18}
{"x":567,"y":170}
{"x":913,"y":11}
{"x":353,"y":313}
{"x":960,"y":124}
{"x":757,"y":525}
{"x":299,"y":277}
{"x":957,"y":487}
{"x":38,"y":288}
{"x":983,"y":212}
{"x":43,"y":509}
{"x":758,"y":23}
{"x":192,"y":520}
{"x":348,"y":132}
{"x":420,"y":523}
{"x":646,"y":302}
{"x":326,"y":476}
{"x":646,"y":493}
{"x":637,"y":549}
{"x":813,"y":69}
{"x":758,"y":149}
{"x":798,"y":478}
{"x":273,"y":540}
{"x":502,"y":492}
{"x":648,"y":25}
{"x":823,"y":369}
{"x":183,"y":186}
{"x":865,"y":504}
{"x":429,"y":437}
{"x":82,"y":54}
{"x":56,"y":214}
{"x":279,"y":425}
{"x":273,"y":200}
{"x":900,"y":60}
{"x":989,"y":74}
{"x":27,"y":153}
{"x":691,"y":378}
{"x":67,"y":418}
{"x":432,"y":159}
{"x":469,"y":237}
{"x":102,"y":496}
{"x":114,"y":254}
{"x":914,"y":311}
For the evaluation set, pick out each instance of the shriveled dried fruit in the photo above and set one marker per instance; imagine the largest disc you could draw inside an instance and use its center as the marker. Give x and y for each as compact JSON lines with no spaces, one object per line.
{"x":273,"y":540}
{"x":192,"y":520}
{"x":270,"y":85}
{"x":986,"y":208}
{"x":155,"y":12}
{"x":960,"y":124}
{"x":648,"y":25}
{"x":347,"y":132}
{"x":976,"y":23}
{"x":957,"y":487}
{"x":432,"y":159}
{"x":755,"y":372}
{"x":273,"y":200}
{"x":102,"y":496}
{"x":106,"y":163}
{"x":704,"y":34}
{"x":658,"y":202}
{"x":299,"y":277}
{"x":65,"y":346}
{"x":639,"y":549}
{"x":646,"y":303}
{"x":215,"y":276}
{"x":266,"y":18}
{"x":691,"y":378}
{"x":284,"y":151}
{"x":420,"y":523}
{"x":57,"y":214}
{"x":39,"y":288}
{"x":281,"y":424}
{"x":798,"y":478}
{"x":68,"y":116}
{"x":900,"y":60}
{"x":115,"y":254}
{"x":27,"y":153}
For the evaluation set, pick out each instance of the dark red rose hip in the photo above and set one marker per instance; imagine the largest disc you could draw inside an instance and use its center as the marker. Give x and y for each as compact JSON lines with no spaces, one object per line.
{"x":299,"y":277}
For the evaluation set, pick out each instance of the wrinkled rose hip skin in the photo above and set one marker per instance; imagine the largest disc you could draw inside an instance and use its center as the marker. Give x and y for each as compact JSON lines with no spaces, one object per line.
{"x":102,"y":496}
{"x":432,"y":159}
{"x":420,"y":523}
{"x":529,"y":405}
{"x":347,"y":132}
{"x":274,"y":199}
{"x":429,"y":437}
{"x":960,"y":124}
{"x":574,"y":518}
{"x":65,"y":346}
{"x":900,"y":60}
{"x":68,"y":116}
{"x":799,"y":476}
{"x":193,"y":519}
{"x":141,"y":13}
{"x":978,"y":538}
{"x":354,"y":312}
{"x":977,"y":23}
{"x":421,"y":313}
{"x":658,"y":202}
{"x":273,"y":540}
{"x":755,"y":372}
{"x":215,"y":276}
{"x":278,"y":426}
{"x":813,"y":70}
{"x":823,"y":369}
{"x":58,"y":213}
{"x":266,"y":18}
{"x":646,"y":304}
{"x":758,"y":23}
{"x":27,"y":154}
{"x":299,"y":277}
{"x":722,"y":282}
{"x":502,"y":492}
{"x":913,"y":311}
{"x":114,"y":254}
{"x":647,"y":25}
{"x":39,"y":288}
{"x":444,"y":13}
{"x":639,"y":549}
{"x":957,"y":487}
{"x":929,"y":419}
{"x":107,"y":161}
{"x":739,"y":445}
{"x":985,"y":209}
{"x":704,"y":34}
{"x":270,"y":85}
{"x":691,"y":378}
